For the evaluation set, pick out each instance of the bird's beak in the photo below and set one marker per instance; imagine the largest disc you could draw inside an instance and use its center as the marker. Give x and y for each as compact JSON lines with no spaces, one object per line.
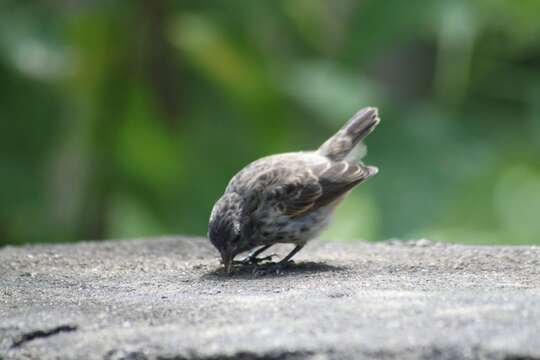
{"x":227,"y":262}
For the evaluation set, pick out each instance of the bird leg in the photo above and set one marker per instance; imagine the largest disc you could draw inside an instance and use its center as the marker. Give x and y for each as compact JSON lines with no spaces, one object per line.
{"x":286,"y":259}
{"x":277,"y":267}
{"x":253,"y":259}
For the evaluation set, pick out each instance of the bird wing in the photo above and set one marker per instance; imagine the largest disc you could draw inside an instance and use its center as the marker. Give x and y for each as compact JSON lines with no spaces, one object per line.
{"x":337,"y":178}
{"x":296,"y":191}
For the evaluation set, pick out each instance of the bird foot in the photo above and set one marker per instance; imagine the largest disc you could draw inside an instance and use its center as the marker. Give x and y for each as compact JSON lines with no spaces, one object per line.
{"x":272,"y":269}
{"x":253,"y":260}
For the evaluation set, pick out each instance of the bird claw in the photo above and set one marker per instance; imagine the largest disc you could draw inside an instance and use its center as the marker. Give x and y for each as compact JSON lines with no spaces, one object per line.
{"x":254,"y":260}
{"x":266,"y":258}
{"x":273,"y":269}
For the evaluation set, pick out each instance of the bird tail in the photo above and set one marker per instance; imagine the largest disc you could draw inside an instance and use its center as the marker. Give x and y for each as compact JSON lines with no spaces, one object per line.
{"x":345,"y":140}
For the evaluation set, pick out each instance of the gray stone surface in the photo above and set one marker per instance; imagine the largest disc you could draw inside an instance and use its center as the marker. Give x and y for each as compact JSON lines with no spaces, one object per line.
{"x":162,"y":298}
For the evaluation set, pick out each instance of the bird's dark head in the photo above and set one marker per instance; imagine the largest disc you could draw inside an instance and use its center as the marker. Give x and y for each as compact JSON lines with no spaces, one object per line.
{"x":225,"y":228}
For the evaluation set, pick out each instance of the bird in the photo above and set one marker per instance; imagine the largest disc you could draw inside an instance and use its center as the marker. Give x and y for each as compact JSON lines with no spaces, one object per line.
{"x":290,"y":197}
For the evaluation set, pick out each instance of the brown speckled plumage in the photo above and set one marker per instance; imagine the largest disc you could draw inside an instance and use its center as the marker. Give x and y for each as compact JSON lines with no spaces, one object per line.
{"x":288,"y":198}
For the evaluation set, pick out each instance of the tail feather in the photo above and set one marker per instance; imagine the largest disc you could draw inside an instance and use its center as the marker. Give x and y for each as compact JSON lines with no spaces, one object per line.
{"x":345,"y":140}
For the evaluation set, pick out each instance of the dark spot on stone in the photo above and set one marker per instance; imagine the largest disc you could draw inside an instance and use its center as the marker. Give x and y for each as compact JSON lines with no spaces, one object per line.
{"x":304,"y":229}
{"x":338,"y":295}
{"x":39,"y":334}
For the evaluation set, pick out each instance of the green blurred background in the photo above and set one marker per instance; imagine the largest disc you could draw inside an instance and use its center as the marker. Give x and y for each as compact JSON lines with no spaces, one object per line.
{"x":127,"y":118}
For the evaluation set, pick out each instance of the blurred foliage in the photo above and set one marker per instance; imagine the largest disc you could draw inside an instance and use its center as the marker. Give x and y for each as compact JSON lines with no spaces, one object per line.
{"x":127,"y":118}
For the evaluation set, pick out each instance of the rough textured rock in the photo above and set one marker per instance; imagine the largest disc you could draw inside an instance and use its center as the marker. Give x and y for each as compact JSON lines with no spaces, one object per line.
{"x":162,"y":298}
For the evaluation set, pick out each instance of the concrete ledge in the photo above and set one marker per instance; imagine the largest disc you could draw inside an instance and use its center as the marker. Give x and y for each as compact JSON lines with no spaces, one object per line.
{"x":161,"y":299}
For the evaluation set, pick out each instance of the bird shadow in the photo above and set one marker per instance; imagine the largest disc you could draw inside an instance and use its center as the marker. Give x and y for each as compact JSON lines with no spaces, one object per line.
{"x":261,"y":271}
